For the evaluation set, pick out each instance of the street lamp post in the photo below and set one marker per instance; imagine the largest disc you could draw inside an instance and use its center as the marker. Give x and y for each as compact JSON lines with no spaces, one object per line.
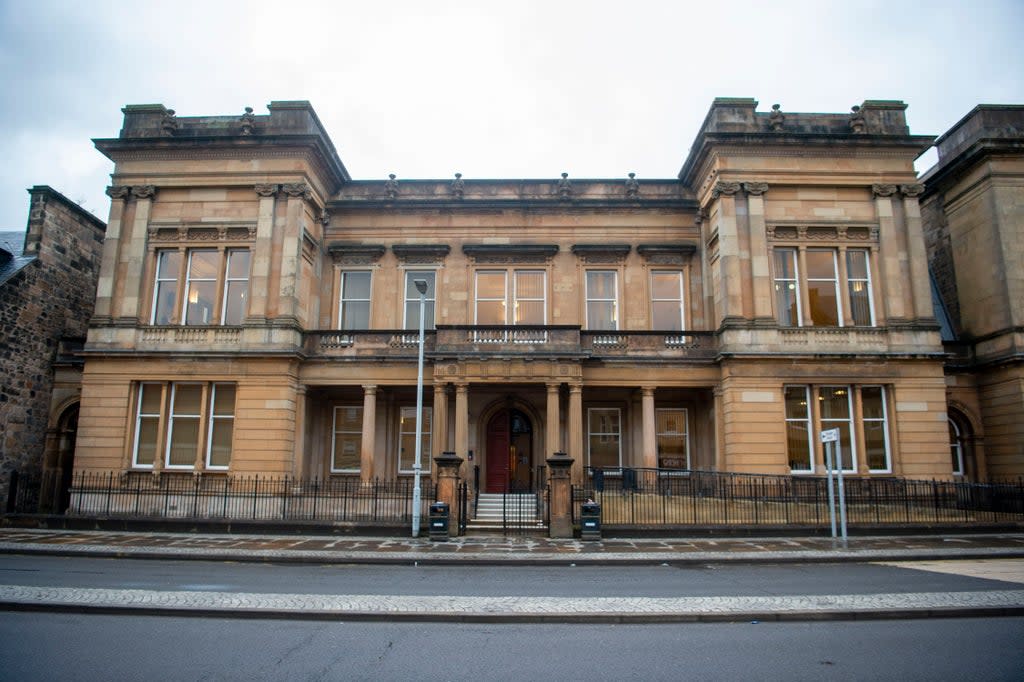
{"x":421,"y":286}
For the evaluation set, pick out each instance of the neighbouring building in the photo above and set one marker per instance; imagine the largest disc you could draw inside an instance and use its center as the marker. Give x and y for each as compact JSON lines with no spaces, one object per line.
{"x":257,"y":309}
{"x":47,"y":283}
{"x":973,"y":207}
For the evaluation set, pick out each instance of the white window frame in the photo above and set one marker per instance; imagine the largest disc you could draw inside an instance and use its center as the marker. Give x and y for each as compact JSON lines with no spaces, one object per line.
{"x":807,"y":421}
{"x":158,"y":279}
{"x":831,"y":423}
{"x":838,"y":291}
{"x":591,"y":433}
{"x":685,"y":432}
{"x":139,"y":416}
{"x":228,"y":279}
{"x":430,"y":303}
{"x":614,"y":299}
{"x":334,"y":439}
{"x":189,"y":279}
{"x":884,"y":421}
{"x":172,"y":415}
{"x":342,"y":300}
{"x":516,"y":298}
{"x":212,"y":419}
{"x":794,"y":253}
{"x":477,"y":298}
{"x":428,"y":432}
{"x":681,"y":300}
{"x":866,"y":280}
{"x":956,"y":445}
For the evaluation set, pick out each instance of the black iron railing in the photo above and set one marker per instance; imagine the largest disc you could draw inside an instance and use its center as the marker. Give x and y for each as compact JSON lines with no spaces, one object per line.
{"x":676,"y":497}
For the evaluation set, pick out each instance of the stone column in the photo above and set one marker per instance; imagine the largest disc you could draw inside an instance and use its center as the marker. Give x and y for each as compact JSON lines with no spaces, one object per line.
{"x":650,"y":441}
{"x":299,"y":447}
{"x":461,"y":418}
{"x":261,"y":253}
{"x":291,"y":252}
{"x":366,"y":459}
{"x":559,"y":467}
{"x":440,"y":420}
{"x":552,"y":434}
{"x":920,"y":280}
{"x":730,"y":278}
{"x":719,"y":430}
{"x":111,"y":253}
{"x":759,"y":255}
{"x":889,"y":249}
{"x":575,"y":438}
{"x":134,"y":257}
{"x":448,"y":464}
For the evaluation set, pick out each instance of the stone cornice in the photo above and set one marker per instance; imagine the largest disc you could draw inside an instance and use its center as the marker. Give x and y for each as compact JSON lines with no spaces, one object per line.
{"x":510,"y":253}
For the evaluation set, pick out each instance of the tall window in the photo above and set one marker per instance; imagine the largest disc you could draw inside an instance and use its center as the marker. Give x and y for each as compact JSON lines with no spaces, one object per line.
{"x":956,"y":448}
{"x":798,"y":429}
{"x":215,"y":291}
{"x":867,"y":437}
{"x":602,"y":300}
{"x":672,"y":438}
{"x":407,"y":440}
{"x":412,"y":299}
{"x":187,"y":406}
{"x":823,"y":294}
{"x":604,"y":437}
{"x":354,"y":302}
{"x":522,"y":303}
{"x":667,"y":309}
{"x":348,"y":438}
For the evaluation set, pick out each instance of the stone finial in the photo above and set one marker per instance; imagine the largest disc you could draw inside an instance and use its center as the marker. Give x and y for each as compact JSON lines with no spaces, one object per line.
{"x":857,"y":123}
{"x":883,"y":190}
{"x":564,"y":187}
{"x":912,"y":190}
{"x":776,"y":118}
{"x":391,"y":186}
{"x":724,"y":187}
{"x":755,"y":189}
{"x":118,"y":191}
{"x":458,"y":186}
{"x":325,"y":217}
{"x":266,"y":190}
{"x":632,"y":187}
{"x":169,"y":123}
{"x":247,"y":121}
{"x":144,"y":191}
{"x":298,"y":190}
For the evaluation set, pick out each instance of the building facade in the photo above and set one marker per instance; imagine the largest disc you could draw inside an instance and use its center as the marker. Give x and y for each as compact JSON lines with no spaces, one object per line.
{"x":258,"y":310}
{"x":47,"y":278}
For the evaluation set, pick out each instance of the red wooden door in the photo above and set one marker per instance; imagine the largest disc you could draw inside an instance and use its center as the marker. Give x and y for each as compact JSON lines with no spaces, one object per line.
{"x":497,"y":453}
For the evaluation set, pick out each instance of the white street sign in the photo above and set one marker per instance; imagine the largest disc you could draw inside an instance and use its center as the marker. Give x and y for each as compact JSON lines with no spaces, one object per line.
{"x":830,"y":436}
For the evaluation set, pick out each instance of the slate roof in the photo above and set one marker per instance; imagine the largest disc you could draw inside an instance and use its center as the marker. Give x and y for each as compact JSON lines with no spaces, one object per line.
{"x":12,"y":261}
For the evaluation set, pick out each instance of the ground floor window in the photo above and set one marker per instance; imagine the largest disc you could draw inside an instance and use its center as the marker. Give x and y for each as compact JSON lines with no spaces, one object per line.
{"x":189,"y":425}
{"x":673,"y":438}
{"x":956,"y":449}
{"x":812,"y":409}
{"x":407,"y":440}
{"x":604,"y":437}
{"x":347,"y":444}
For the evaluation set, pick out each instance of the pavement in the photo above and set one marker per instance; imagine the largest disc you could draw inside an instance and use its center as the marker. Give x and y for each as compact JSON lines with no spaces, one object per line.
{"x":995,"y":557}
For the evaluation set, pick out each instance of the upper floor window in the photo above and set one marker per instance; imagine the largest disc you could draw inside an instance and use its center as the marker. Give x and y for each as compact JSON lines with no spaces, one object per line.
{"x":602,"y":300}
{"x":667,"y":309}
{"x":354,"y":301}
{"x":823,"y":287}
{"x":215,"y":291}
{"x":516,"y":297}
{"x":412,"y":299}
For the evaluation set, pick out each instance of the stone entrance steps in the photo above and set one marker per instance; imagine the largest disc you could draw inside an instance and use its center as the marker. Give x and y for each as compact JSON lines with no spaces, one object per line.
{"x":520,"y":509}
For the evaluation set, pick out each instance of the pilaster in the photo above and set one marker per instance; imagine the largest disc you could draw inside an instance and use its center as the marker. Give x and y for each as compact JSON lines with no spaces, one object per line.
{"x":916,"y":252}
{"x":730,"y":275}
{"x":262,"y":252}
{"x":134,"y":257}
{"x":889,"y":249}
{"x":291,"y":252}
{"x":111,"y":253}
{"x":760,"y":271}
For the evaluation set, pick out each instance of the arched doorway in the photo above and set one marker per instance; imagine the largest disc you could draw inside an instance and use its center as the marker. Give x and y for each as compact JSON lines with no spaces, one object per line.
{"x":55,"y":492}
{"x":509,"y":452}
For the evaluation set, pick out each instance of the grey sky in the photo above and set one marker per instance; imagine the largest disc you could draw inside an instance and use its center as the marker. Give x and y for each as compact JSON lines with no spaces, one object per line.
{"x":510,"y":89}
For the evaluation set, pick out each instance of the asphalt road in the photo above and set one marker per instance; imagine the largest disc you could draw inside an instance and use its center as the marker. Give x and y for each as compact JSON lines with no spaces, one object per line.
{"x":540,"y":581}
{"x":41,"y":646}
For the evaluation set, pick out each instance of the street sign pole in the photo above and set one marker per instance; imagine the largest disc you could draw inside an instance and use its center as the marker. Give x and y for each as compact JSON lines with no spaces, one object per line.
{"x":828,"y":438}
{"x":842,"y":493}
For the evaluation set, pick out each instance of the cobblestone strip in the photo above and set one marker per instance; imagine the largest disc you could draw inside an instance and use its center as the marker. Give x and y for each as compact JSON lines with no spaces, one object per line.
{"x":514,"y":607}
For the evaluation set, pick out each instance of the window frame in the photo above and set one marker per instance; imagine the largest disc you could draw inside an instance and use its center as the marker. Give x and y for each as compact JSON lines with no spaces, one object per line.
{"x":430,"y":304}
{"x":139,"y":416}
{"x":883,"y":420}
{"x":229,"y":280}
{"x":685,"y":434}
{"x":343,"y":275}
{"x":956,"y":447}
{"x":681,"y":280}
{"x":182,"y":282}
{"x":588,"y":299}
{"x":428,"y":435}
{"x":807,"y":420}
{"x":211,"y":423}
{"x":616,"y":434}
{"x":334,"y":439}
{"x":843,"y":284}
{"x":172,"y":416}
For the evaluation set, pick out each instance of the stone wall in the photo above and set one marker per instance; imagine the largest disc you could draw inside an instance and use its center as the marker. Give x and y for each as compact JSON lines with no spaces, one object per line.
{"x":48,"y":300}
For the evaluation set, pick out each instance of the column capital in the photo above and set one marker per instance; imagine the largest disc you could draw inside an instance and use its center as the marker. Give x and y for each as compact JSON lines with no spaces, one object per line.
{"x":575,"y":387}
{"x":554,"y":386}
{"x":265,"y":190}
{"x":755,"y":189}
{"x":883,"y":190}
{"x":912,"y":190}
{"x":144,"y":191}
{"x":724,"y":187}
{"x":461,"y":386}
{"x":369,"y":388}
{"x":647,"y":391}
{"x":297,"y":190}
{"x":118,"y":191}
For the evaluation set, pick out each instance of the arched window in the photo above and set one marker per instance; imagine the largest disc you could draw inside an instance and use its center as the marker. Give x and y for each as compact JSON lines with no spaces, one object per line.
{"x":956,"y":448}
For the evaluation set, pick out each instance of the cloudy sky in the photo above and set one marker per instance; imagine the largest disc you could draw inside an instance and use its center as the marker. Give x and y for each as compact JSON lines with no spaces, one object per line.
{"x":518,"y":88}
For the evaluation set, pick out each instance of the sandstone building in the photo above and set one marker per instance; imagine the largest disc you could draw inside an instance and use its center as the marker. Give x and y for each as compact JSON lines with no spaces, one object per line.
{"x":257,"y":309}
{"x":47,"y":281}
